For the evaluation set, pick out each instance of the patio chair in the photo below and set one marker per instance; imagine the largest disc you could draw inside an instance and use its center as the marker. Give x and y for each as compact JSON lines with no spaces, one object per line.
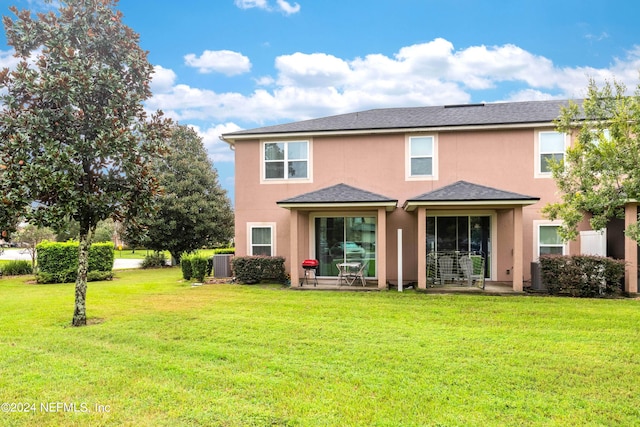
{"x":445,"y":264}
{"x":472,"y":271}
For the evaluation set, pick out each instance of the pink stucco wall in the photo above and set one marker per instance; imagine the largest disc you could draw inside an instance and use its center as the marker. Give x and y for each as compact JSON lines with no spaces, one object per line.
{"x":503,"y":159}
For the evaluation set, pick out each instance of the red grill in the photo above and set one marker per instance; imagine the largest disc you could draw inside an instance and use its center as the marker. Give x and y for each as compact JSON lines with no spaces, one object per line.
{"x":309,"y":265}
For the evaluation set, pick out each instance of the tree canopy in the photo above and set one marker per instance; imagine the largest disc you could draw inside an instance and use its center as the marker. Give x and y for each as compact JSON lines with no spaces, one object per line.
{"x":76,"y":143}
{"x":193,"y":209}
{"x":600,"y":172}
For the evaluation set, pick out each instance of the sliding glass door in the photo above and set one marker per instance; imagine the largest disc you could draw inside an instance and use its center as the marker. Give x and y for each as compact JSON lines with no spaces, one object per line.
{"x":462,"y":233}
{"x":343,"y":239}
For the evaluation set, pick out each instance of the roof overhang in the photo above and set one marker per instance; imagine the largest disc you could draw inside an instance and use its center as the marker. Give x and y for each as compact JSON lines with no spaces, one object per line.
{"x":231,"y":139}
{"x":412,"y":205}
{"x":389,"y":205}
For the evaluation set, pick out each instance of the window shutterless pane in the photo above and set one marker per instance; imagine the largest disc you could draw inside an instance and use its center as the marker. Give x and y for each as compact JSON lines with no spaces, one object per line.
{"x":549,"y":235}
{"x":422,"y":146}
{"x":551,"y":142}
{"x":274,"y":170}
{"x":274,"y":151}
{"x":297,"y":150}
{"x":421,"y":166}
{"x":298,"y":169}
{"x":551,"y":250}
{"x":546,"y":158}
{"x":261,"y":235}
{"x":261,"y":250}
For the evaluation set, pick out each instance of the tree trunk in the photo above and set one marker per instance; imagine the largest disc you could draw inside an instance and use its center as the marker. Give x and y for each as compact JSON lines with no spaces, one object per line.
{"x":80,"y":312}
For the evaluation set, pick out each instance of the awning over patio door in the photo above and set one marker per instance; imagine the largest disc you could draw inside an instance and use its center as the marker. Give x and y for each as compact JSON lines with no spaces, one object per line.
{"x":463,"y":196}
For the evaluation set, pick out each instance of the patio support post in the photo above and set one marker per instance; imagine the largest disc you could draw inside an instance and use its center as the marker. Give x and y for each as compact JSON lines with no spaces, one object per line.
{"x":630,"y":250}
{"x":381,"y":247}
{"x":518,"y":247}
{"x":293,"y":247}
{"x":422,"y":247}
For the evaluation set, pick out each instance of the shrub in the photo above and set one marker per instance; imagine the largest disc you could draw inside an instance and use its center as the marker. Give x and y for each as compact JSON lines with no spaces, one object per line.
{"x":17,"y":268}
{"x":58,"y":261}
{"x":101,"y":256}
{"x":99,"y":276}
{"x":224,"y":251}
{"x":199,"y":267}
{"x":185,"y":265}
{"x":582,"y":275}
{"x":155,"y":260}
{"x":254,"y":269}
{"x":209,"y":266}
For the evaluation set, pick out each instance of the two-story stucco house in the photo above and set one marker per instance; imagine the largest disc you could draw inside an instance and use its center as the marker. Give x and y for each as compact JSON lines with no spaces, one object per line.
{"x":462,"y":178}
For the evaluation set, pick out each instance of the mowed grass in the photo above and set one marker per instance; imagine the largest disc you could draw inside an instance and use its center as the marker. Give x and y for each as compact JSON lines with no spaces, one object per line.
{"x":160,"y":352}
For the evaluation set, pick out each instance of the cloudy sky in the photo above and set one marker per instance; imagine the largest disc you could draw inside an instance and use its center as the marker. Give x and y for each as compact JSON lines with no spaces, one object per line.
{"x":226,"y":65}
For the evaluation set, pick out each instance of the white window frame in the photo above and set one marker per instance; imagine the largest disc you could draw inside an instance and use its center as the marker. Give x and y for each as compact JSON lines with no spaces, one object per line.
{"x":251,"y":226}
{"x":286,"y":179}
{"x":537,"y":224}
{"x":434,"y":158}
{"x":538,"y":152}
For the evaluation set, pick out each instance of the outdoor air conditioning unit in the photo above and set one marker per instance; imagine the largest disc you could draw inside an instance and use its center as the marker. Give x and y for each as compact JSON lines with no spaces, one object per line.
{"x":536,"y":278}
{"x":222,"y":265}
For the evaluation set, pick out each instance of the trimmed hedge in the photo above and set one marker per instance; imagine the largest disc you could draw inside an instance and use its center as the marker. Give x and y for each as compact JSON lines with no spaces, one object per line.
{"x":58,"y":262}
{"x":196,"y":266}
{"x":582,"y":275}
{"x":224,"y":251}
{"x":254,"y":269}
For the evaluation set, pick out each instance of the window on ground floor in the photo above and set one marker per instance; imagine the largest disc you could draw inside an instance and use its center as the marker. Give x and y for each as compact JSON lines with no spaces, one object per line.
{"x":549,"y":240}
{"x":345,"y":239}
{"x":261,"y":239}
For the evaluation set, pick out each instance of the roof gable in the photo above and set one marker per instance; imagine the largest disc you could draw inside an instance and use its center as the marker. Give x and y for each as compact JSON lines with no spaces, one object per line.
{"x":342,"y":194}
{"x":467,"y":193}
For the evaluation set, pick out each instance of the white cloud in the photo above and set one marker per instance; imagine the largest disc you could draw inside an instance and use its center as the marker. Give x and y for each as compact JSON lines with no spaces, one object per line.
{"x":222,"y":61}
{"x":288,"y":8}
{"x":308,"y":85}
{"x":218,"y":150}
{"x":249,"y":4}
{"x":317,"y":69}
{"x":7,"y":60}
{"x":282,"y":5}
{"x":162,"y":79}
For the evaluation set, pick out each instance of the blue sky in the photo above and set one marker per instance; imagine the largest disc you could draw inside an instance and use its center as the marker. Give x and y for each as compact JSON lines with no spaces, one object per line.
{"x":226,"y":65}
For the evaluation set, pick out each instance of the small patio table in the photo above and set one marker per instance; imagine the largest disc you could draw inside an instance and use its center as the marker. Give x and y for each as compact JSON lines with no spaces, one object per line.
{"x":349,"y":272}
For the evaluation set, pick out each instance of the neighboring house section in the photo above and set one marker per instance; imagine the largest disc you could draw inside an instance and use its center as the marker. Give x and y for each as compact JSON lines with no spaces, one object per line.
{"x":462,"y":178}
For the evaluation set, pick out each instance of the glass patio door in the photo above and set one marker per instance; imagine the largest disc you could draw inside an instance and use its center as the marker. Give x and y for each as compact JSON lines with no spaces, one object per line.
{"x":463,"y":233}
{"x":343,"y":239}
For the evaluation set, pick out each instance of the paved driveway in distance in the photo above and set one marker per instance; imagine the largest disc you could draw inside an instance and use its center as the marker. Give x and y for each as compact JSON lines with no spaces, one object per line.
{"x":21,"y":254}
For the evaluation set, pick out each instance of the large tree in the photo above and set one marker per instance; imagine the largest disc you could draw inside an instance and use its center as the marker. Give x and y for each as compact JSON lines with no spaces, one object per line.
{"x":76,"y":143}
{"x":194,"y":210}
{"x":600,"y":172}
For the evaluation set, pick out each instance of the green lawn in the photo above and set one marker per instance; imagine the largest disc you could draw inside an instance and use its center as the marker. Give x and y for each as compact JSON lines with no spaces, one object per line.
{"x":160,"y":352}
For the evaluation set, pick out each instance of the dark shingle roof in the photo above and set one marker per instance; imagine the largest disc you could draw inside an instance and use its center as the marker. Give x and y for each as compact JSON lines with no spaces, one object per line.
{"x":422,"y":117}
{"x":462,"y":191}
{"x":340,"y":193}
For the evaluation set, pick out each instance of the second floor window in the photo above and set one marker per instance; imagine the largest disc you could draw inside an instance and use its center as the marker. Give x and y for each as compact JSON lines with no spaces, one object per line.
{"x":286,"y":160}
{"x":552,"y":146}
{"x":421,"y":156}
